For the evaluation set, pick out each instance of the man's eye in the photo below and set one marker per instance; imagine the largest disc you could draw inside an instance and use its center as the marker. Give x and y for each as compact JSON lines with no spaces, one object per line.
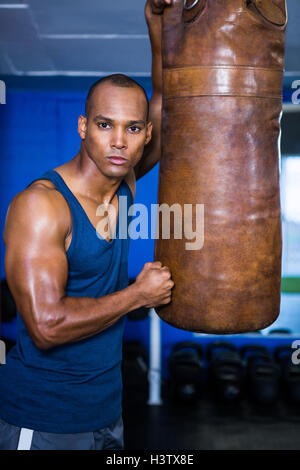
{"x":134,"y":129}
{"x":103,"y":125}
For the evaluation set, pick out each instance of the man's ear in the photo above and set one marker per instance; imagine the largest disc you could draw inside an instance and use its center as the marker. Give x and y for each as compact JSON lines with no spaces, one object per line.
{"x":82,"y":126}
{"x":148,"y":133}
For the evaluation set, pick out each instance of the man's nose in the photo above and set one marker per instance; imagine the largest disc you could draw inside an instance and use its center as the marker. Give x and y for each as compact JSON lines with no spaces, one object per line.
{"x":119,"y":139}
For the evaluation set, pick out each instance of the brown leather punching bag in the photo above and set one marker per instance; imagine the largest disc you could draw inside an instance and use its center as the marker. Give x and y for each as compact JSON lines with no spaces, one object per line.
{"x":223,"y":66}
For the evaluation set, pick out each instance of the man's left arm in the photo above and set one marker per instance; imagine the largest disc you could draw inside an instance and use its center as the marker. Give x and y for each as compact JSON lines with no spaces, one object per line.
{"x":152,"y":151}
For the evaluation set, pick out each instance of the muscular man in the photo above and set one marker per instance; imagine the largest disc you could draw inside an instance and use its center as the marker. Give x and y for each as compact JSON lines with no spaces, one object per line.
{"x":61,"y":387}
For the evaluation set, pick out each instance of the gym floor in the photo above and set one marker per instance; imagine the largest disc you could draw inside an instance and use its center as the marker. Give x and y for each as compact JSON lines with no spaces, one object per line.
{"x":208,"y":424}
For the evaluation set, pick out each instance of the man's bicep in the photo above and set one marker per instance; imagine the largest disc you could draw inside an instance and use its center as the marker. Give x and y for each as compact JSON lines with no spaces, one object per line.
{"x":35,"y":260}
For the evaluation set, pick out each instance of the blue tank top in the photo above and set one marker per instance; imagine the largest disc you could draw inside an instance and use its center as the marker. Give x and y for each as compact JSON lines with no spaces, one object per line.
{"x":75,"y":387}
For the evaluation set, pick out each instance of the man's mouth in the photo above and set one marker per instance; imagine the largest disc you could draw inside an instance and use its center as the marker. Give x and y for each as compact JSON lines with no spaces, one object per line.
{"x":117,"y":160}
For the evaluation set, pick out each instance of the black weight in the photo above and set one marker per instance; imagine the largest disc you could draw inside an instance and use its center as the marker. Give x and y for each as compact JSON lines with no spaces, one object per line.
{"x":290,"y":373}
{"x":226,"y":371}
{"x":262,"y":374}
{"x":186,"y":370}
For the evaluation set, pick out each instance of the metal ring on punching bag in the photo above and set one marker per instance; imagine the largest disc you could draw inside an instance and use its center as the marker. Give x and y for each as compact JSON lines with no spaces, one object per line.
{"x":191,"y":6}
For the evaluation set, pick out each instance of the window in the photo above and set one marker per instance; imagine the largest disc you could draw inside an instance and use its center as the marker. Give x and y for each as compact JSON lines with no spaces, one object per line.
{"x":290,"y":206}
{"x":289,"y":317}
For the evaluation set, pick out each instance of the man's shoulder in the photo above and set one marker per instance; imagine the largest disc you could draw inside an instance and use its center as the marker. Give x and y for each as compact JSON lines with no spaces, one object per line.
{"x":40,"y":193}
{"x":38,"y":204}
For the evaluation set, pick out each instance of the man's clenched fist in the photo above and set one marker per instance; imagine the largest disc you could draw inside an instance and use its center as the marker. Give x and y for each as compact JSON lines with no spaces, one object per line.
{"x":154,"y":284}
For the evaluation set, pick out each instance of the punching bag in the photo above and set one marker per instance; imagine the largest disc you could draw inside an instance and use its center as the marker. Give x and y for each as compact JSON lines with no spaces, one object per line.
{"x":223,"y":64}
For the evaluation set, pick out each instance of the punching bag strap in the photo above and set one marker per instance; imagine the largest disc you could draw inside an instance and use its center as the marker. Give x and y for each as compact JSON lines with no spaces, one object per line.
{"x":222,"y":80}
{"x":269,"y":10}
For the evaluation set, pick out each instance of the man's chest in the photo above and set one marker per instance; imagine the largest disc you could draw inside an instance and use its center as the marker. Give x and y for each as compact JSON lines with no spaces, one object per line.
{"x":100,"y":216}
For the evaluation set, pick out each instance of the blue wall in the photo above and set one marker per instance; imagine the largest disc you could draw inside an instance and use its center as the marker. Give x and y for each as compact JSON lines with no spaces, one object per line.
{"x":38,"y":131}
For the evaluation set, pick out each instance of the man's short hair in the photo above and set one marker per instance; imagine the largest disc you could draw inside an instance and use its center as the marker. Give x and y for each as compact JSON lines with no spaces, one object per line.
{"x":117,"y":79}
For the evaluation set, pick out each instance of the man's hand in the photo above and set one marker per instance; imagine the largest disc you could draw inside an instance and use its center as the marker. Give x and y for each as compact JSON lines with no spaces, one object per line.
{"x":158,"y":6}
{"x":154,"y":284}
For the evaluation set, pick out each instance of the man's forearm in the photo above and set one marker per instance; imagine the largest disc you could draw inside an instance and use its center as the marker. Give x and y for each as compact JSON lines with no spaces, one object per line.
{"x":153,"y":150}
{"x":76,"y":318}
{"x":154,"y":23}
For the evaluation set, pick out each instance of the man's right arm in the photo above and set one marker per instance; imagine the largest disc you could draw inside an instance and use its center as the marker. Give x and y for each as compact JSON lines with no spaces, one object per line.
{"x":37,"y":271}
{"x":152,"y":151}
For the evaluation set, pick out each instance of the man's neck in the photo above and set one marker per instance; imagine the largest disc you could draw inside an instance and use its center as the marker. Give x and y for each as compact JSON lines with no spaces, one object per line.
{"x":85,"y":179}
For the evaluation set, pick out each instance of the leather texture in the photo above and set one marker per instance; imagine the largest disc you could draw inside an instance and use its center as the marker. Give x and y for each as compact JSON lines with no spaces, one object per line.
{"x":223,"y":65}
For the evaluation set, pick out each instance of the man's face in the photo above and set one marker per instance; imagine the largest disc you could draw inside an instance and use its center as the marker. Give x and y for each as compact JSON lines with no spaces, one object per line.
{"x":116,"y":130}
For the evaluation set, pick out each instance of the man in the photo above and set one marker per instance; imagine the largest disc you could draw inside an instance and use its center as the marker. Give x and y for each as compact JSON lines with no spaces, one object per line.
{"x":61,"y":387}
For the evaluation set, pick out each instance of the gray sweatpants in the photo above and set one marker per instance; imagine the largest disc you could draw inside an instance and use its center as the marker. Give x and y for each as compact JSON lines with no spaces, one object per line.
{"x":15,"y":438}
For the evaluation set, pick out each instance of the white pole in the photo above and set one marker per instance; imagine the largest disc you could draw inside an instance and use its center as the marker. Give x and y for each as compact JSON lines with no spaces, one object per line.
{"x":154,"y":375}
